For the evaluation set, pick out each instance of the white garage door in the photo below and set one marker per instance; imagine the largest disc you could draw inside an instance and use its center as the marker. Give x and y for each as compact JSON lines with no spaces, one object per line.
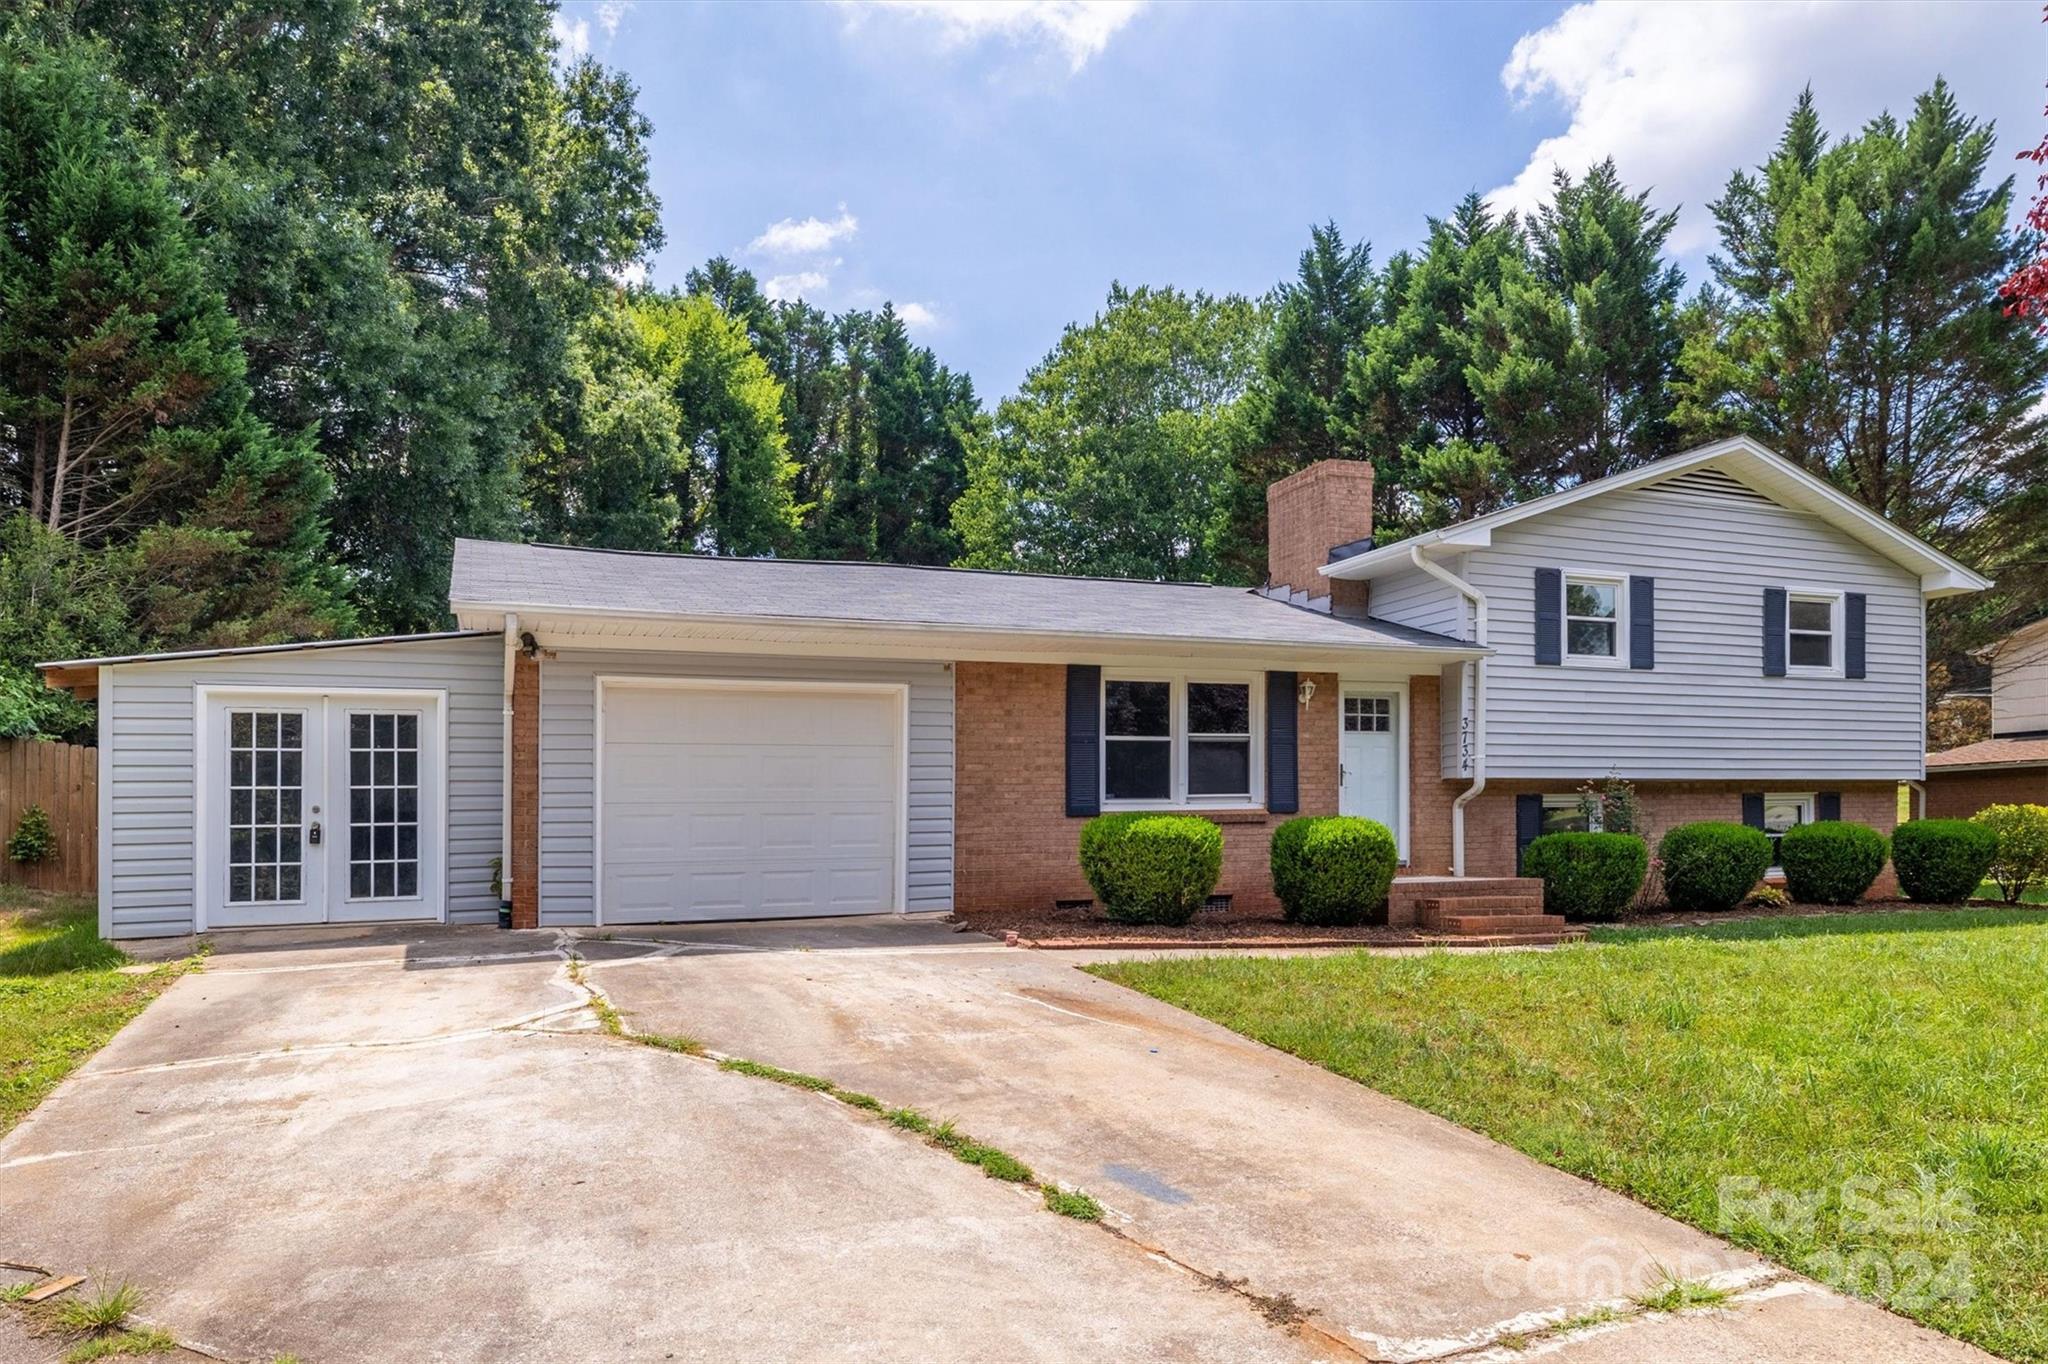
{"x":748,"y":802}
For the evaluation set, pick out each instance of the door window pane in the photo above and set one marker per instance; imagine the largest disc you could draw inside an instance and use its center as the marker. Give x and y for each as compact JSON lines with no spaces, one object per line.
{"x":265,"y":768}
{"x":1368,"y":714}
{"x":383,"y":839}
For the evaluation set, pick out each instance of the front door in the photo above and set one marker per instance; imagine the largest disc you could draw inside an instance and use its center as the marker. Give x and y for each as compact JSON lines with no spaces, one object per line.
{"x":1369,"y":778}
{"x":320,"y":808}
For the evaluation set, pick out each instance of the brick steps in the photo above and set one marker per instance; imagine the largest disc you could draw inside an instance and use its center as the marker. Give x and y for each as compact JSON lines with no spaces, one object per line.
{"x":1494,"y":925}
{"x":1498,"y":910}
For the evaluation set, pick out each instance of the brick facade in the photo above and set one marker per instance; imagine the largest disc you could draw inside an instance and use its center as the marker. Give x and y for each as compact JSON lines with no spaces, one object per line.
{"x":1958,"y":795}
{"x":1014,"y":845}
{"x":1490,"y":819}
{"x":1310,"y":513}
{"x":1429,"y":795}
{"x":525,"y":866}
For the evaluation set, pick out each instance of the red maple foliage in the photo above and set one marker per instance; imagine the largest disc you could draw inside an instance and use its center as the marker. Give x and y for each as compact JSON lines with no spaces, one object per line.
{"x":2026,"y":293}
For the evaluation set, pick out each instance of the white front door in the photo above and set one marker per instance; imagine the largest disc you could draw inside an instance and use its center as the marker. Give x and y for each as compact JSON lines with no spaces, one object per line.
{"x":751,"y":801}
{"x":1369,"y":780}
{"x":320,"y":807}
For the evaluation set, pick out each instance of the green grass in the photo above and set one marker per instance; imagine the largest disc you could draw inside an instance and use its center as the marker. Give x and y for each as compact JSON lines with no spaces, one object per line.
{"x":2032,"y":895}
{"x":122,"y":1344}
{"x":61,"y":996}
{"x":106,"y":1310}
{"x":1884,"y":1075}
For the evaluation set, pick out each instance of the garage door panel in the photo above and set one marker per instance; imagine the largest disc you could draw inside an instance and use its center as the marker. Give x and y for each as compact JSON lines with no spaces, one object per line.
{"x":741,"y":803}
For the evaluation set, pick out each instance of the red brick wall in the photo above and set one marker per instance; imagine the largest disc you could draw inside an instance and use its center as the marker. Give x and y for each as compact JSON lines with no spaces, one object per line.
{"x":525,"y":867}
{"x":1429,"y":795}
{"x":1307,"y":515}
{"x":1958,"y":795}
{"x":1015,"y":847}
{"x":1490,"y":819}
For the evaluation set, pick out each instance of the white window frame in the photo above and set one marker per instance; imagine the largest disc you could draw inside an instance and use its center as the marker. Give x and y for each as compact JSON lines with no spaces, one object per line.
{"x":1834,"y":601}
{"x":1572,"y":803}
{"x":1598,"y":578}
{"x":1177,"y":797}
{"x":1809,"y":803}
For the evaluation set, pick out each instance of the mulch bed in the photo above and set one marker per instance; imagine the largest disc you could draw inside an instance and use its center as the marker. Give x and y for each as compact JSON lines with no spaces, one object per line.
{"x":1054,"y":928}
{"x":1070,"y":928}
{"x":1672,"y":919}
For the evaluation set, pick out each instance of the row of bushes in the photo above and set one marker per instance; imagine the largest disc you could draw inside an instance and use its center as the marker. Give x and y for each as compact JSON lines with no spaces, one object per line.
{"x":1715,"y":866}
{"x":1160,"y":869}
{"x":1149,"y":868}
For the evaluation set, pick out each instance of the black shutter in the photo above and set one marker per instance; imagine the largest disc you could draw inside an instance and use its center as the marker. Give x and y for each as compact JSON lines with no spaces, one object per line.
{"x":1856,"y":611}
{"x":1283,"y":774}
{"x":1549,"y":615}
{"x":1084,"y":740}
{"x":1528,"y":823}
{"x":1753,"y":809}
{"x":1827,"y":805}
{"x":1774,"y":632}
{"x":1642,"y":622}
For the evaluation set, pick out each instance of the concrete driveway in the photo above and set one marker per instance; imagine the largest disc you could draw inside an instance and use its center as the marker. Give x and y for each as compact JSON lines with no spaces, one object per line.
{"x":371,"y":1148}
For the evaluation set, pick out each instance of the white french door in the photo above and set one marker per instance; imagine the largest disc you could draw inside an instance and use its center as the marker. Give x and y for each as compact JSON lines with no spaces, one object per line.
{"x":320,"y":807}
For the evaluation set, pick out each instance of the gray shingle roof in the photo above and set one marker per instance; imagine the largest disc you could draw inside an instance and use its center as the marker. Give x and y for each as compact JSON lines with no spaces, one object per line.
{"x":540,"y":577}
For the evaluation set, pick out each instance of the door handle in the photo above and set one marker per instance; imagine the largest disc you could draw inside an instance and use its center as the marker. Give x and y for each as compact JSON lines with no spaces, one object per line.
{"x":313,"y":834}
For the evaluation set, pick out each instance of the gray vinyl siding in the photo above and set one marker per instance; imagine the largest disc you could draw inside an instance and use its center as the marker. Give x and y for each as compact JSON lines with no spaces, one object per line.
{"x":568,"y":771}
{"x":147,"y":766}
{"x":1414,"y":598}
{"x":1706,"y":711}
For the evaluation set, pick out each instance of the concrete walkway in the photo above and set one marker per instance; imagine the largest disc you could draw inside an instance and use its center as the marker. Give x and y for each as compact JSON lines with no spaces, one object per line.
{"x":366,"y":1147}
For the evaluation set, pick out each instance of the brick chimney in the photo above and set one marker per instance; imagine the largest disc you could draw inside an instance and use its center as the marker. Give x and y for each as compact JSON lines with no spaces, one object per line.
{"x":1307,"y":515}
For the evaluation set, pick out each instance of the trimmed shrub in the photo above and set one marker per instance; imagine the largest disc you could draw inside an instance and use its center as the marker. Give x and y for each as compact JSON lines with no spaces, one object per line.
{"x":1942,"y":861}
{"x":1334,"y":869}
{"x":1711,"y":865}
{"x":1588,"y":876}
{"x":1832,"y":862}
{"x":1151,"y":869}
{"x":2022,"y":859}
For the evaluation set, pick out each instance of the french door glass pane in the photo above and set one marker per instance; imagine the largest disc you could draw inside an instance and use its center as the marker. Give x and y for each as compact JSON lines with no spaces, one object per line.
{"x":383,"y":803}
{"x":266,"y":766}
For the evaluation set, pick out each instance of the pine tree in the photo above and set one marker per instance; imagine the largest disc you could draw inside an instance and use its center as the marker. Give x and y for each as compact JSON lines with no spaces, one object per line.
{"x":1576,"y":349}
{"x":1295,"y":413}
{"x":1855,"y":328}
{"x":1410,"y":405}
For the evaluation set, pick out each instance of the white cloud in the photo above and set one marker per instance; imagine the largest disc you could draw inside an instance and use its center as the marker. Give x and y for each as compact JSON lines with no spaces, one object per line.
{"x":919,"y":318}
{"x":572,"y":37}
{"x":632,"y":274}
{"x":784,"y":287}
{"x":1077,"y":30}
{"x":1682,"y":94}
{"x":609,"y":13}
{"x":791,"y":237}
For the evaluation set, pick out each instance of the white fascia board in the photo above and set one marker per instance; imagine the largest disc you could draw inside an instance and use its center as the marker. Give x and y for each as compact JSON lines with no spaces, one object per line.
{"x":592,"y":627}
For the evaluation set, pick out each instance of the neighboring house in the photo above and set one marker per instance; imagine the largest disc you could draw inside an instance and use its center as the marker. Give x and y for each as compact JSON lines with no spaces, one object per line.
{"x":2011,"y":767}
{"x":688,"y":738}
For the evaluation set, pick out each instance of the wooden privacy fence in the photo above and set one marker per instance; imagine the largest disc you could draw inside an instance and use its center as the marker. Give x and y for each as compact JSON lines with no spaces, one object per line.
{"x":65,"y":780}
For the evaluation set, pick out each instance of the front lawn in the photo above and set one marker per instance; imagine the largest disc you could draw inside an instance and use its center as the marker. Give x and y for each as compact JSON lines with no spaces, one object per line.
{"x":1861,"y":1097}
{"x":61,"y":994}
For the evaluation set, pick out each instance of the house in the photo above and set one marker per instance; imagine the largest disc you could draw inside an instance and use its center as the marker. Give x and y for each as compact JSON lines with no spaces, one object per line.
{"x":687,"y":738}
{"x":2011,"y":767}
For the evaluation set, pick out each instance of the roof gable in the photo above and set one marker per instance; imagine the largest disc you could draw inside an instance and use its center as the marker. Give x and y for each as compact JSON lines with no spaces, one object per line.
{"x":1725,"y":468}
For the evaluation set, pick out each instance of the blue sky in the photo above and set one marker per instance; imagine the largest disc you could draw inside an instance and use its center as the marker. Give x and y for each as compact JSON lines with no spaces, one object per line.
{"x":991,"y":167}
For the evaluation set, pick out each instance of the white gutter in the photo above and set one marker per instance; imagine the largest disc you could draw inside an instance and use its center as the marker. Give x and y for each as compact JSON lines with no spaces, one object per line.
{"x":505,"y":766}
{"x":1476,"y":674}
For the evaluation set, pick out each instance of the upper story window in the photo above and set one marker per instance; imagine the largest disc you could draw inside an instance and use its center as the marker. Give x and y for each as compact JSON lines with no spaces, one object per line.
{"x":1812,"y":631}
{"x":1592,"y":618}
{"x":1169,"y":740}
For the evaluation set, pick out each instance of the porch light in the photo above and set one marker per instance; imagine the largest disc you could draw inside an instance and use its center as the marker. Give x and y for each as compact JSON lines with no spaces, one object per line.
{"x":1307,"y":690}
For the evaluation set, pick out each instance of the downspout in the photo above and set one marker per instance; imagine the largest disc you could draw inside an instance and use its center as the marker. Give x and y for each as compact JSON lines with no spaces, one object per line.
{"x":505,"y":775}
{"x":1919,"y":791}
{"x":1475,"y":671}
